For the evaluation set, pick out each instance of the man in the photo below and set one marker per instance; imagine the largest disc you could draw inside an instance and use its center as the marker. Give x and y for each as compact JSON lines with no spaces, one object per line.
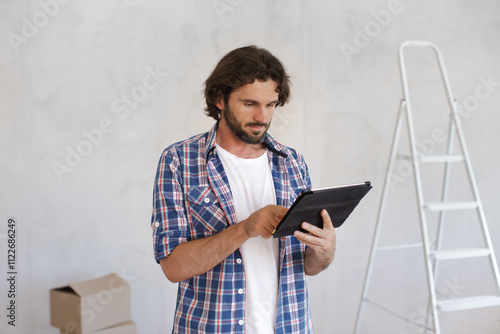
{"x":217,"y":199}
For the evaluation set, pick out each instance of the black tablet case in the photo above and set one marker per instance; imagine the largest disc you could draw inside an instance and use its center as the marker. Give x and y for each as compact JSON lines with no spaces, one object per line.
{"x":338,"y":201}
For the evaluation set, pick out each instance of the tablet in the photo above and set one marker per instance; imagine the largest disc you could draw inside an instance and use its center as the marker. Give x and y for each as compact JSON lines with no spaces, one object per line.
{"x":339,"y":201}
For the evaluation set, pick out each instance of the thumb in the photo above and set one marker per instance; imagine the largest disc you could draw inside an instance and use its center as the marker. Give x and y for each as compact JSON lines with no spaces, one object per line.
{"x":327,"y":221}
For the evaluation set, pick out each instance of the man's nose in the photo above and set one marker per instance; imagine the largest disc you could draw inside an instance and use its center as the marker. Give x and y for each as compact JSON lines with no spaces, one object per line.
{"x":261,"y":114}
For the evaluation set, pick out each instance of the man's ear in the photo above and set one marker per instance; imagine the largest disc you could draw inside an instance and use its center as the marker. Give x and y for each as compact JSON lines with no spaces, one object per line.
{"x":220,"y":103}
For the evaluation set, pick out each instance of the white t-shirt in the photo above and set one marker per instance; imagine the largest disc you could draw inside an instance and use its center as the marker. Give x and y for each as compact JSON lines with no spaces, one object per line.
{"x":252,"y":188}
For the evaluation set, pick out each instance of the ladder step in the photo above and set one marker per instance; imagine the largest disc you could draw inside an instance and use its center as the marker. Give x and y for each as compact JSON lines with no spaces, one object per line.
{"x":442,"y":158}
{"x":468,"y":303}
{"x":464,"y":253}
{"x":442,"y":206}
{"x":434,"y":158}
{"x":395,"y":247}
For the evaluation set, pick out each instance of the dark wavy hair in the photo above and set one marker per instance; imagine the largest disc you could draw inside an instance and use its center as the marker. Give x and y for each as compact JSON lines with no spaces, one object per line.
{"x":240,"y":67}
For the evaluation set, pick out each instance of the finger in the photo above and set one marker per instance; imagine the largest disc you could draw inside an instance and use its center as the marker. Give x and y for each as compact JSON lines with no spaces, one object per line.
{"x":307,"y":239}
{"x":270,"y":225}
{"x":268,"y":233}
{"x":327,"y":221}
{"x":312,"y":229}
{"x":273,"y":220}
{"x":276,"y":221}
{"x":277,"y":210}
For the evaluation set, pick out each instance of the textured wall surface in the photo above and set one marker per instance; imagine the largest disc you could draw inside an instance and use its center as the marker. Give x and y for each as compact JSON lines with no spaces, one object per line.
{"x":92,"y":91}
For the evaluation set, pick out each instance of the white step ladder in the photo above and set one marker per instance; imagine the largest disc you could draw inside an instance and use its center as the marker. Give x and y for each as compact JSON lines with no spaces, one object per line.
{"x":434,"y":255}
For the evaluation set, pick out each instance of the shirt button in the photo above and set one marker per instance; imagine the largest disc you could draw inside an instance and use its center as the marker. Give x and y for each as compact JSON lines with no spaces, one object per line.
{"x":157,"y":224}
{"x":207,"y":200}
{"x":240,"y":291}
{"x":240,"y":322}
{"x":238,"y":261}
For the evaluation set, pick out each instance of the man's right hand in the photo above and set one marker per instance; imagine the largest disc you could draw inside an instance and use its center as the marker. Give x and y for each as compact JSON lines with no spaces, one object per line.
{"x":198,"y":256}
{"x":263,"y":222}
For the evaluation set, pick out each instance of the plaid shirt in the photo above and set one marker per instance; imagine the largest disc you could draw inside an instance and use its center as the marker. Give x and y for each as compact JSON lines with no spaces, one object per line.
{"x":191,"y":200}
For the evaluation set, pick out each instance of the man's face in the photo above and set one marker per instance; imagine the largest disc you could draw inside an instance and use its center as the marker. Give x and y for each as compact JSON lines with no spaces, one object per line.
{"x":249,"y":110}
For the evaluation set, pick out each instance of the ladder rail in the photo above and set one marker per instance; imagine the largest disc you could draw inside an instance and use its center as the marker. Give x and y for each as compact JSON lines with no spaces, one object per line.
{"x":444,"y":195}
{"x":482,"y":217}
{"x":418,"y":181}
{"x":378,"y":224}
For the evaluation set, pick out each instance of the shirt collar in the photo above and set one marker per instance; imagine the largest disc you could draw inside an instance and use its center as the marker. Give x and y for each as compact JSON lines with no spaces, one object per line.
{"x":269,"y":143}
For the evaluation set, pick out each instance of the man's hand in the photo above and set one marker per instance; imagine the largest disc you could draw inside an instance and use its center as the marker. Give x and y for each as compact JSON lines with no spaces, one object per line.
{"x":198,"y":256}
{"x":263,"y":222}
{"x":320,"y":244}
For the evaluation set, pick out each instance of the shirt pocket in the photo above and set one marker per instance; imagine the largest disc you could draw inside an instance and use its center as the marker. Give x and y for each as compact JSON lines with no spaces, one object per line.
{"x":205,"y":210}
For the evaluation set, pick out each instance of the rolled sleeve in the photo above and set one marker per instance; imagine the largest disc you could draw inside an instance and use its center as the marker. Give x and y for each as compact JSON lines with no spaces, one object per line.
{"x":169,"y":223}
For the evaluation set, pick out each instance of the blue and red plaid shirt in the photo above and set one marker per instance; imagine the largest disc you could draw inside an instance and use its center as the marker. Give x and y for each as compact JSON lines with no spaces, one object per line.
{"x":191,"y":200}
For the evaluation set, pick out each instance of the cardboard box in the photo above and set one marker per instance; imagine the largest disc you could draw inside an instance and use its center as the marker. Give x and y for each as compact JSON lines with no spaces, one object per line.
{"x":90,"y":306}
{"x":128,"y":327}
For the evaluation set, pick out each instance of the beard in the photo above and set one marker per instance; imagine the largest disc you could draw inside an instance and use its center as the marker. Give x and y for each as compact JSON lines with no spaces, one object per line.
{"x":237,"y":128}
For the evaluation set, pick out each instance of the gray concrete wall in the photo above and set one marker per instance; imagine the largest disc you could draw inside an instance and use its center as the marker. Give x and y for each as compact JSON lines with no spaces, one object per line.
{"x":91,"y":93}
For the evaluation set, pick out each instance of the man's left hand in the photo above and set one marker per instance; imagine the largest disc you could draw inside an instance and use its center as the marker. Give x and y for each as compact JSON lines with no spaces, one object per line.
{"x":320,"y":244}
